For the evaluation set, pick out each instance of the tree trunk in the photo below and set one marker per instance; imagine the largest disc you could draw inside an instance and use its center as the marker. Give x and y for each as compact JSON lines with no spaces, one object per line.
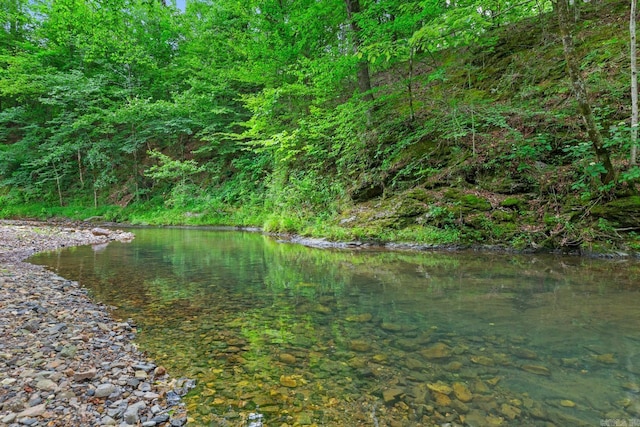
{"x":581,"y":94}
{"x":364,"y":78}
{"x":634,"y":84}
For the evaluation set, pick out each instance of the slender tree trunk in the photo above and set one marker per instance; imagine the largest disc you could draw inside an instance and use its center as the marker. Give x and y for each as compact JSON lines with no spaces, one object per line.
{"x":80,"y":169}
{"x":634,"y":84}
{"x":581,"y":94}
{"x":364,"y":78}
{"x":410,"y":84}
{"x":55,"y":171}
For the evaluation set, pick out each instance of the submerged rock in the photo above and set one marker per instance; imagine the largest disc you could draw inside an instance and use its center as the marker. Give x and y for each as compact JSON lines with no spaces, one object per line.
{"x":536,"y":369}
{"x":437,"y":351}
{"x":462,"y":392}
{"x":392,"y":395}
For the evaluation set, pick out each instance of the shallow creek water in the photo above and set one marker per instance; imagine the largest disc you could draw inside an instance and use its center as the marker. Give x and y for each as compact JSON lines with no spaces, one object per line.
{"x":280,"y":334}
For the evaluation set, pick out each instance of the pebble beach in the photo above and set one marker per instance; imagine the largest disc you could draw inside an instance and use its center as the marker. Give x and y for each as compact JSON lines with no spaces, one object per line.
{"x":64,"y":360}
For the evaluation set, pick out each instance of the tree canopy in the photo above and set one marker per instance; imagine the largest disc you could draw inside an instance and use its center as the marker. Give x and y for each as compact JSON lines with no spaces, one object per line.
{"x":306,"y":104}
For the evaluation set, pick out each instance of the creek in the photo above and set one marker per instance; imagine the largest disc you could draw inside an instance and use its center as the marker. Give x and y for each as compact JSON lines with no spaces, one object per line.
{"x":281,"y":334}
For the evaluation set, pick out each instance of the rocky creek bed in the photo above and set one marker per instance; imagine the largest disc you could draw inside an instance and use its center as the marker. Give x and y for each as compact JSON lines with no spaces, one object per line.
{"x":64,"y":361}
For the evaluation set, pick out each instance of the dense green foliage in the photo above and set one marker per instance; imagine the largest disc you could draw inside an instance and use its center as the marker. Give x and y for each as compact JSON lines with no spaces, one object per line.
{"x":424,"y":120}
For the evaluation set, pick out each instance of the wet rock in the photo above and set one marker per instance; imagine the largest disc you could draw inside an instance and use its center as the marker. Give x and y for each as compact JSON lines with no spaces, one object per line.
{"x":360,"y":318}
{"x":441,"y":400}
{"x":288,"y":381}
{"x":607,"y":359}
{"x":524,"y":353}
{"x":414,"y":364}
{"x":462,"y":392}
{"x":567,"y":403}
{"x":392,"y":395}
{"x":437,"y":351}
{"x":440,"y":388}
{"x":322,"y":309}
{"x":287,"y":358}
{"x":392,"y":327}
{"x":361,"y":346}
{"x":100,"y":231}
{"x":454,"y":366}
{"x":510,"y":411}
{"x":536,"y":369}
{"x":459,"y":407}
{"x":482,"y":360}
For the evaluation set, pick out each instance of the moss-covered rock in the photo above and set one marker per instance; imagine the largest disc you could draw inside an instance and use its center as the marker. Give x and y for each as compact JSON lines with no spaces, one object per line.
{"x":507,"y":184}
{"x":503,"y":216}
{"x":512,"y":203}
{"x":467,"y":202}
{"x":624,"y":212}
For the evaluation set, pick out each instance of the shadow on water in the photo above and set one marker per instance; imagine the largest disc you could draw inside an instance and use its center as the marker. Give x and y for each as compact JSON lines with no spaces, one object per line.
{"x":287,"y":335}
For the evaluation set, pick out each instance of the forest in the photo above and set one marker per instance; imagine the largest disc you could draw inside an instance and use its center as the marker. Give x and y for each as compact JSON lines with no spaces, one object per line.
{"x":503,"y":123}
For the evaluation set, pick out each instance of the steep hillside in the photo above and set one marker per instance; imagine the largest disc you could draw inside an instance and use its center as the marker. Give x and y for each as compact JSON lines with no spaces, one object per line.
{"x":498,"y":153}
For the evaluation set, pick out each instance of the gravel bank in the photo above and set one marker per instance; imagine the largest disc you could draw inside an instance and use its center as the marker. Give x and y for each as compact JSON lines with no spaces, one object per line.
{"x":63,"y":360}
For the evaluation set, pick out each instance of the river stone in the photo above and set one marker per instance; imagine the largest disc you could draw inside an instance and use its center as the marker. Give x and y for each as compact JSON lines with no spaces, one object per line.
{"x":440,"y":388}
{"x":524,"y":353}
{"x":147,"y":367}
{"x":68,"y":351}
{"x":536,"y":369}
{"x":288,"y":381}
{"x":46,"y":385}
{"x":104,"y":390}
{"x":392,"y":395}
{"x":442,"y":400}
{"x":34,"y":411}
{"x":462,"y":392}
{"x":141,"y":375}
{"x":178,"y":421}
{"x":608,"y":359}
{"x":407,"y":344}
{"x":85,"y":375}
{"x":160,"y":418}
{"x":131,"y":414}
{"x":392,"y":327}
{"x":414,"y":364}
{"x":510,"y":411}
{"x":359,"y":345}
{"x":108,"y":421}
{"x":9,"y":418}
{"x":359,"y":318}
{"x":287,"y":358}
{"x":100,"y":231}
{"x":460,"y":407}
{"x":437,"y":351}
{"x":483,"y":360}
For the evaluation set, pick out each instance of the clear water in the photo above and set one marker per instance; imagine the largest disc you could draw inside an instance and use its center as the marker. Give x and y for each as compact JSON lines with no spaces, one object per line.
{"x":279,"y":334}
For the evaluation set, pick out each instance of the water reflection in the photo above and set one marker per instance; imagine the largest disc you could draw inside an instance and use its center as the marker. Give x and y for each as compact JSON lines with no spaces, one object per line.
{"x":288,"y":335}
